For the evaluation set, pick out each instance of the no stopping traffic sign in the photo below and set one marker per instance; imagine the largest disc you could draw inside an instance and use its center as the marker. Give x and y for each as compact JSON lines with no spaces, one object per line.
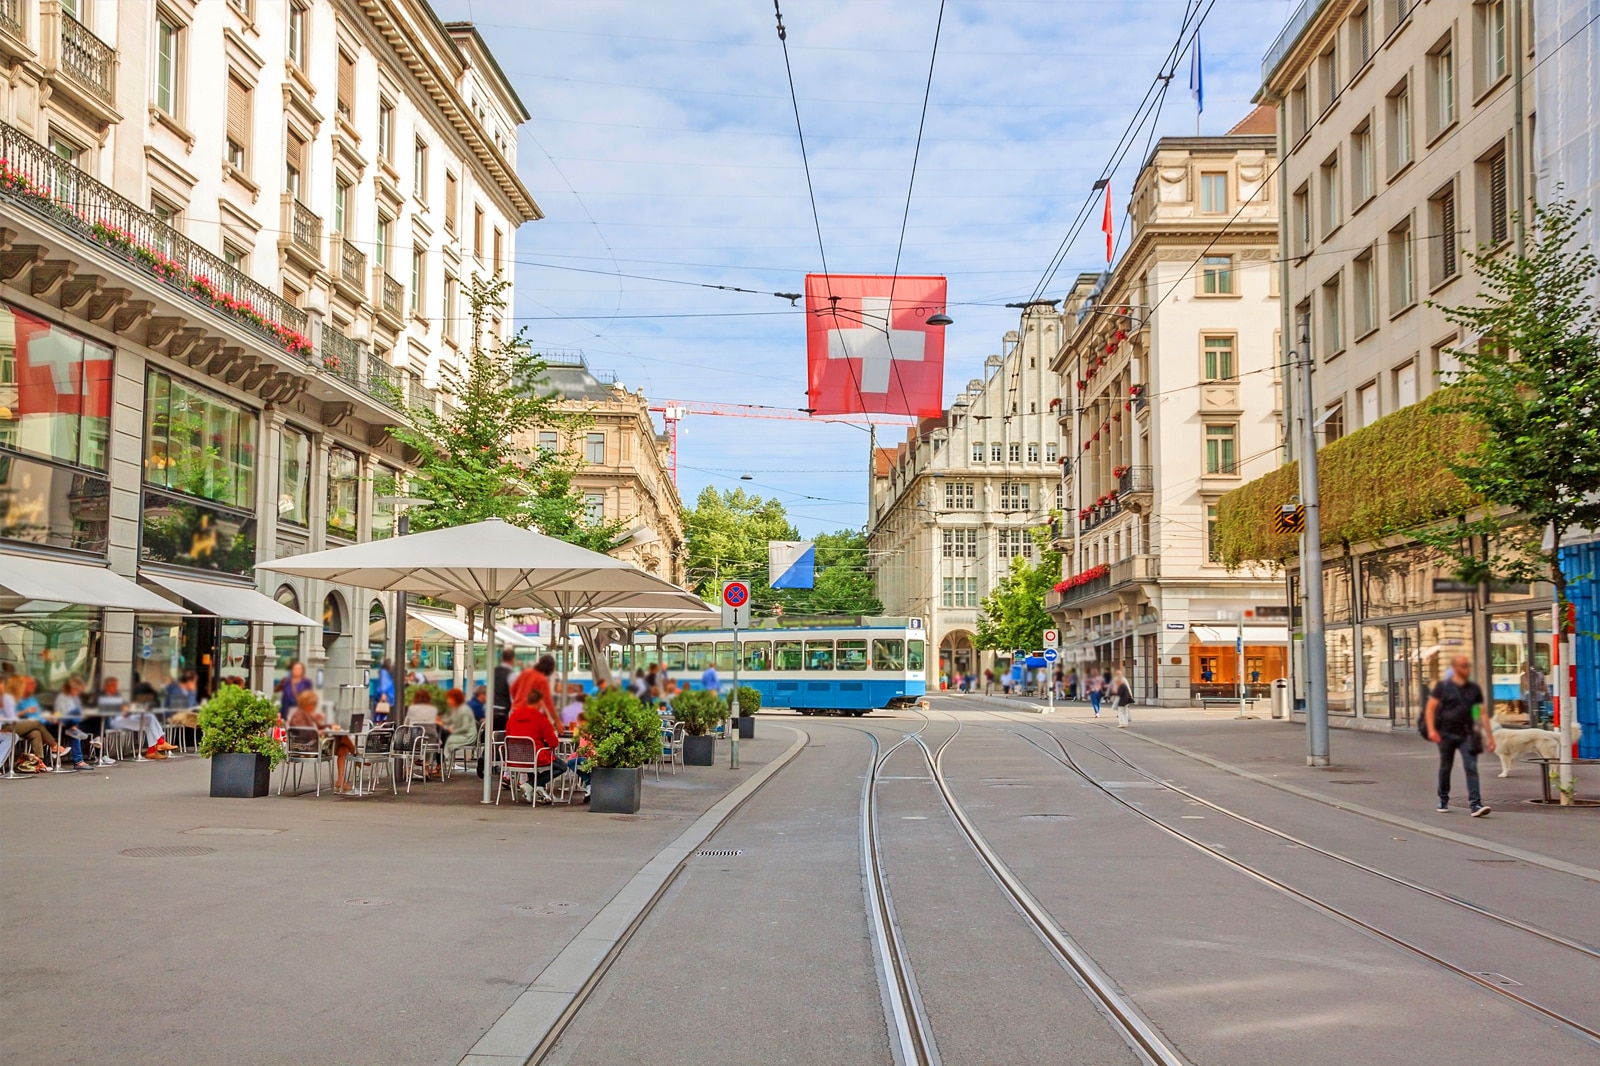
{"x":736,"y":594}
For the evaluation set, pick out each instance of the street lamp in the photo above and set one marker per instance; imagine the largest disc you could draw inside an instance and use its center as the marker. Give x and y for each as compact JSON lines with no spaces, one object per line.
{"x":402,"y":526}
{"x":1316,"y":638}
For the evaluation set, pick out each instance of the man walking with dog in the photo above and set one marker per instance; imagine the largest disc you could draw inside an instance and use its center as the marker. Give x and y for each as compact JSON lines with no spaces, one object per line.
{"x":1456,"y":722}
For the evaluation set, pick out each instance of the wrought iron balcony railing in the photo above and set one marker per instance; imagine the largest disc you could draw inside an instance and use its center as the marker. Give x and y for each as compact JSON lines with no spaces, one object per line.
{"x":394,"y":297}
{"x":11,"y":18}
{"x":341,"y":356}
{"x":37,"y":181}
{"x":385,"y":382}
{"x":91,"y":62}
{"x":1135,"y":480}
{"x":305,"y":229}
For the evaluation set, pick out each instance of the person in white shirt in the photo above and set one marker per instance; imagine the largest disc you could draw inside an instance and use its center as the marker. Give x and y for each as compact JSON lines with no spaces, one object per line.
{"x":142,"y":722}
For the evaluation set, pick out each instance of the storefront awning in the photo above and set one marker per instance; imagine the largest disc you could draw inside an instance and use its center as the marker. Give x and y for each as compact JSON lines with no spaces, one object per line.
{"x":456,"y":629}
{"x":448,"y":624}
{"x":1225,"y":634}
{"x":231,"y":601}
{"x":50,"y":582}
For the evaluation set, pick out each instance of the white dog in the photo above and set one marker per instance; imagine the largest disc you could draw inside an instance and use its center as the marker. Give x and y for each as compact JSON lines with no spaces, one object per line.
{"x":1510,"y":744}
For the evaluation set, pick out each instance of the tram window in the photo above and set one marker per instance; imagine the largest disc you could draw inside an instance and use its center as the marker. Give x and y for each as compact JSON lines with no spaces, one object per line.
{"x":789,"y":655}
{"x":852,"y":655}
{"x":888,"y":655}
{"x":583,"y":660}
{"x":914,"y":653}
{"x":616,"y":659}
{"x":819,"y":655}
{"x":674,"y":656}
{"x":757,"y":655}
{"x":726,"y":656}
{"x":699,"y":656}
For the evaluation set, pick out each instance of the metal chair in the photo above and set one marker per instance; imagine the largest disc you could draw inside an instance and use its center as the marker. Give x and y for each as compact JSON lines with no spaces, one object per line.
{"x":304,"y":745}
{"x":374,"y":752}
{"x":559,"y":787}
{"x":671,"y":747}
{"x":521,"y":757}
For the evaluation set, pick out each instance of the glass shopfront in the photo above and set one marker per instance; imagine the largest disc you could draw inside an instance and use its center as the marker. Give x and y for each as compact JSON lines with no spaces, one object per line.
{"x":55,"y":425}
{"x":285,"y":639}
{"x":344,"y":492}
{"x":50,"y":650}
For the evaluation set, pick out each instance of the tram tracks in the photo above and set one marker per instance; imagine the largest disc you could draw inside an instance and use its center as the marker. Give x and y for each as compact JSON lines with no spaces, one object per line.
{"x":908,"y":1018}
{"x":1573,"y":1026}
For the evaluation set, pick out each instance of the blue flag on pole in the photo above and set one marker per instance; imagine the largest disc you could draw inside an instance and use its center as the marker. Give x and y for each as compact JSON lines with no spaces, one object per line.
{"x":1197,"y":86}
{"x":791,"y":564}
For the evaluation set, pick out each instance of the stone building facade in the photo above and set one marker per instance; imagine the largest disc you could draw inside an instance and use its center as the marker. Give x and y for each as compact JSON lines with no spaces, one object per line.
{"x":955,"y":502}
{"x":234,"y":242}
{"x":1170,"y":394}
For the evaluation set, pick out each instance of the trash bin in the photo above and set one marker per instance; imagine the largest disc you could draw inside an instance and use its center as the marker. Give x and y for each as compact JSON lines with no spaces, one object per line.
{"x":1280,"y":698}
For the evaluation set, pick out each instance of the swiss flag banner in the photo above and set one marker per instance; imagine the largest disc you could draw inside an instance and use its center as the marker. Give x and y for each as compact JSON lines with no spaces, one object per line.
{"x":865,"y":354}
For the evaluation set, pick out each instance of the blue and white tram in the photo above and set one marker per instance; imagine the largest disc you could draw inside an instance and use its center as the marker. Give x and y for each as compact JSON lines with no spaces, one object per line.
{"x":821,"y":670}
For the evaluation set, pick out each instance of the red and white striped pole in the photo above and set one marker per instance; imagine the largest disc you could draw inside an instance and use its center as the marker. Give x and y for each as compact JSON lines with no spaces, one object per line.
{"x":1564,"y":674}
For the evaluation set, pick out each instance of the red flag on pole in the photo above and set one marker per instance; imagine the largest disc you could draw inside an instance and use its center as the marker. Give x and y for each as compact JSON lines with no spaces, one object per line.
{"x":864,"y":354}
{"x":1105,"y":223}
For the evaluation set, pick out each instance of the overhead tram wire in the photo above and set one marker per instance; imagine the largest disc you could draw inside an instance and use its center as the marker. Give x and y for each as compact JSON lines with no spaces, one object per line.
{"x":1147,"y":110}
{"x":811,"y":192}
{"x":905,"y":216}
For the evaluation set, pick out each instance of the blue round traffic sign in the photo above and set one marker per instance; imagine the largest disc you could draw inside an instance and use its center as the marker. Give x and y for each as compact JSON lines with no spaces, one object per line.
{"x":1051,"y":655}
{"x":735,"y":594}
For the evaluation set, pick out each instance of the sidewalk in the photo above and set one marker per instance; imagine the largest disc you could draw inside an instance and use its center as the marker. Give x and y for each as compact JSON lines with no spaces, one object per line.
{"x":144,"y":921}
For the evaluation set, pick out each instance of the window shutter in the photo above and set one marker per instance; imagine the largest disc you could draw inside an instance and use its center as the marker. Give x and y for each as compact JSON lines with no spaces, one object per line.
{"x":1447,"y":223}
{"x":347,"y":83}
{"x":1499,"y":224}
{"x":294,"y":154}
{"x":238,"y":112}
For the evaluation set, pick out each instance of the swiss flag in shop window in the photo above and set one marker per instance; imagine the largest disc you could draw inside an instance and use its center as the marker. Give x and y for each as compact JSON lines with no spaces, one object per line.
{"x":866,"y":351}
{"x":58,"y":373}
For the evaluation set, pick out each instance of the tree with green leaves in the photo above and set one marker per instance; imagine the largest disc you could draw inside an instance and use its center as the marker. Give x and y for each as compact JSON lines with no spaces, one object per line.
{"x":1530,"y":379}
{"x":726,"y":535}
{"x":1012,"y":615}
{"x":474,"y":461}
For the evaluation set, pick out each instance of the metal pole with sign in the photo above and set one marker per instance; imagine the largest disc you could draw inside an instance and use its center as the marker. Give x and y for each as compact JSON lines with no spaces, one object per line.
{"x":735,"y":613}
{"x":1238,"y":648}
{"x":1052,"y":644}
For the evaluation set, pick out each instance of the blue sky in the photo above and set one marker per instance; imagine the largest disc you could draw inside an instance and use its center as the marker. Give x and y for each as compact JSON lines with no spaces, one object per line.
{"x":663,"y":144}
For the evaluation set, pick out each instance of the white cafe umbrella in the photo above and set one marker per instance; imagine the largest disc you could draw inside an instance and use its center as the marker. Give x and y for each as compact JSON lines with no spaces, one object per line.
{"x":650,"y":613}
{"x":491,"y":564}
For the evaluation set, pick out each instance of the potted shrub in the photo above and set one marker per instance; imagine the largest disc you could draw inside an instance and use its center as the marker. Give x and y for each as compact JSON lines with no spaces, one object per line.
{"x":236,"y":735}
{"x":699,"y":710}
{"x":749,"y":704}
{"x":624,"y":735}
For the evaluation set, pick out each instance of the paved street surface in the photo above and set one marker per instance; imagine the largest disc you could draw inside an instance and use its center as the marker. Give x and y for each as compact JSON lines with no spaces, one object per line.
{"x":383,"y":931}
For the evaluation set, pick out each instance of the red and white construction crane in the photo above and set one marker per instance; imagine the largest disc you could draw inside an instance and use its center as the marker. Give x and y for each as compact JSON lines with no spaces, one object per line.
{"x":674,"y":411}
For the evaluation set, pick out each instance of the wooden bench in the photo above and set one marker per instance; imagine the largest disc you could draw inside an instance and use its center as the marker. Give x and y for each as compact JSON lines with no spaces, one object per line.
{"x":1229,"y":701}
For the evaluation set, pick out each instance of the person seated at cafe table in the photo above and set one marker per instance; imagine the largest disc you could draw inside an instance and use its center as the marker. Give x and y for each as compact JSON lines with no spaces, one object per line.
{"x":68,"y":712}
{"x":34,"y":737}
{"x":531,"y":717}
{"x":110,"y":701}
{"x":307,"y":715}
{"x":460,"y":721}
{"x":477,"y":703}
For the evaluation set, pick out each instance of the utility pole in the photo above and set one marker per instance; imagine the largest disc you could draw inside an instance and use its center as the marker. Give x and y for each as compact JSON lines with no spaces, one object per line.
{"x":1316,"y":638}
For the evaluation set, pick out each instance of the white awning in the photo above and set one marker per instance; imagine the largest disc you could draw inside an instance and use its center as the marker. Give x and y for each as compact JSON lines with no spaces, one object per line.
{"x":45,"y":582}
{"x":231,"y":601}
{"x":510,"y":638}
{"x":448,"y":624}
{"x":1225,"y":634}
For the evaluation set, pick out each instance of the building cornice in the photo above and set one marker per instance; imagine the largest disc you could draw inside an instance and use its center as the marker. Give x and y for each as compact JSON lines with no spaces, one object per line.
{"x":405,"y":23}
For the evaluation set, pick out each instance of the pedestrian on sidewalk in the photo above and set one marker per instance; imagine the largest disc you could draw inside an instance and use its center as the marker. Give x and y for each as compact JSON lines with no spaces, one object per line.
{"x":1456,"y":722}
{"x":1096,"y":693}
{"x":1123,"y":694}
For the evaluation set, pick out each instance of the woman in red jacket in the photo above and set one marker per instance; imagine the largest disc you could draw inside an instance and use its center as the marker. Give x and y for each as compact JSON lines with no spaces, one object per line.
{"x":532,"y":711}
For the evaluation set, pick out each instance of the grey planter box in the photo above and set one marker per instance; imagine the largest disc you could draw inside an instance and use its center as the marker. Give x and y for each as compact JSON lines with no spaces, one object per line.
{"x":747,"y":726}
{"x":700,"y":751}
{"x":616,"y":790}
{"x":240,"y":775}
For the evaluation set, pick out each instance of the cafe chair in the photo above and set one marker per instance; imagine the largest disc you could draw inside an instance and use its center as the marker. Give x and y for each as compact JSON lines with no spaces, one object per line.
{"x":521,"y":756}
{"x":374,"y":754}
{"x":304,"y":745}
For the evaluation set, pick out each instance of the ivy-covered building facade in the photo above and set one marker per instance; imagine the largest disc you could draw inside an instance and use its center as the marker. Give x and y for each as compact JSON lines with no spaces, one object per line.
{"x":1403,"y":145}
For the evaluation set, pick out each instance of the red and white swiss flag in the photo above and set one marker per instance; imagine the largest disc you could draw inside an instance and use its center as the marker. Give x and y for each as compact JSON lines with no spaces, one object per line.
{"x":57,"y":373}
{"x":869,"y":352}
